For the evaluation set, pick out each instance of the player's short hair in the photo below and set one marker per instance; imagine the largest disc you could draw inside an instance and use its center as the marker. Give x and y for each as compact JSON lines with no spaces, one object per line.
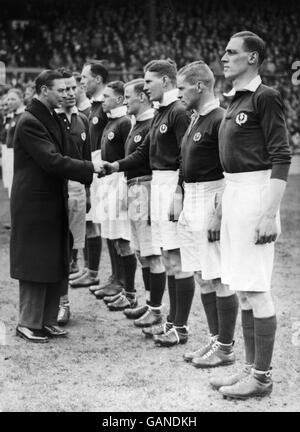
{"x":163,"y":67}
{"x":198,"y":71}
{"x":98,"y":68}
{"x":17,"y":91}
{"x":46,"y":78}
{"x":65,"y":72}
{"x":138,"y":85}
{"x":117,"y":86}
{"x":253,"y":42}
{"x":77,"y":76}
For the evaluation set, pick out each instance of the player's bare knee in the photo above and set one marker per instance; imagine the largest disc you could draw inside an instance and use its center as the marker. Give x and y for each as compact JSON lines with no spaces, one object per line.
{"x":156,"y":264}
{"x":124,"y":248}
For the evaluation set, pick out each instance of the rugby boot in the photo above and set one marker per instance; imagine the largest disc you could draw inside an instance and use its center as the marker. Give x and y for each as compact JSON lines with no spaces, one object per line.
{"x":111,"y":281}
{"x":157,"y":329}
{"x":87,"y":279}
{"x":108,"y":292}
{"x":111,"y":299}
{"x":64,"y":314}
{"x":221,"y":380}
{"x":77,"y":275}
{"x":218,"y":355}
{"x":123,"y":302}
{"x":188,"y":356}
{"x":176,"y":335}
{"x":135,"y":313}
{"x":255,"y":384}
{"x":151,"y":317}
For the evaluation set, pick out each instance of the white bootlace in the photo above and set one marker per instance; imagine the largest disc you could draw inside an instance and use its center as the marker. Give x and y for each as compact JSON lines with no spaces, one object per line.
{"x":212,"y":350}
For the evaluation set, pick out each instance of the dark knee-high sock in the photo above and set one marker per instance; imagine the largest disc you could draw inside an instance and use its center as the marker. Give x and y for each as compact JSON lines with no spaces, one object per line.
{"x":248,"y":333}
{"x":146,"y":277}
{"x":157,"y":288}
{"x":120,"y":272}
{"x":227,"y":313}
{"x":129,"y":265}
{"x":209,"y":302}
{"x":74,"y":255}
{"x":112,"y":252}
{"x":185,"y":289}
{"x":86,"y":254}
{"x":172,"y":298}
{"x":94,"y":245}
{"x":264,"y":336}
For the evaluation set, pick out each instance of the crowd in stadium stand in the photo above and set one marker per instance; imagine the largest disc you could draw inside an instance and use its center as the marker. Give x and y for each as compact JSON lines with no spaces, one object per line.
{"x":70,"y":32}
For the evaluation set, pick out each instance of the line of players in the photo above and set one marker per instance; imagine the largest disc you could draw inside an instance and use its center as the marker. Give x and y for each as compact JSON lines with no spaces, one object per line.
{"x":163,"y":198}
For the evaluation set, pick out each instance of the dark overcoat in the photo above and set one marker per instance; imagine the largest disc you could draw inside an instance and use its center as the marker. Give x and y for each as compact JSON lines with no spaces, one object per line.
{"x":39,"y":246}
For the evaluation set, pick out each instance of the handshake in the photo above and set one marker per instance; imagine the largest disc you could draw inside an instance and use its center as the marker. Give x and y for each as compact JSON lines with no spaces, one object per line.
{"x":104,"y":168}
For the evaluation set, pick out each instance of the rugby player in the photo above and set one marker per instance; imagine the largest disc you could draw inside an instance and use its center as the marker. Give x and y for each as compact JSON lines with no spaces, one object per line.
{"x":139,"y":189}
{"x":200,"y":219}
{"x":112,"y":190}
{"x":255,"y":156}
{"x":77,"y":128}
{"x":162,"y":147}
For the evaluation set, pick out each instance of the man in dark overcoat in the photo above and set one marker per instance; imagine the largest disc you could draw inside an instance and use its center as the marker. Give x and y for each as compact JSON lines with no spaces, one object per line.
{"x":40,"y":236}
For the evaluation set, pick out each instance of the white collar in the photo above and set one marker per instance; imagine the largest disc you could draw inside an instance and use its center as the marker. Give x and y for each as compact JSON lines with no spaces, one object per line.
{"x":84,"y":105}
{"x":146,"y":115}
{"x":209,"y":106}
{"x":20,"y":110}
{"x":118,"y":112}
{"x":74,"y":110}
{"x":169,"y":97}
{"x":251,"y":86}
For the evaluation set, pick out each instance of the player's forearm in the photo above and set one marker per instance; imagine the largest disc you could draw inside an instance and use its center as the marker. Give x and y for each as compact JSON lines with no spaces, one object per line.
{"x":277,"y":188}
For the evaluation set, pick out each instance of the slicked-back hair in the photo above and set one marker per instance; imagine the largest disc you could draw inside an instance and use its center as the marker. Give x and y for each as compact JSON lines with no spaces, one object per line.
{"x":65,"y":72}
{"x":98,"y":68}
{"x":117,"y":86}
{"x":163,"y":67}
{"x":138,"y":86}
{"x":46,"y":78}
{"x":253,"y":42}
{"x":198,"y":71}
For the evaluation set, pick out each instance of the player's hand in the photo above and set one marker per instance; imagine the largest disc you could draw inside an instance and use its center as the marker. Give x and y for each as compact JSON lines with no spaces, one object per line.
{"x":88,"y":204}
{"x":176,"y":205}
{"x":109,"y":168}
{"x":266,"y":231}
{"x":214,"y":227}
{"x":98,"y":167}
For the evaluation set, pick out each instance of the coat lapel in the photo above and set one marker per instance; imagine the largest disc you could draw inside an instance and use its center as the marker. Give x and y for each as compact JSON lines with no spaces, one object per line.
{"x":51,"y":122}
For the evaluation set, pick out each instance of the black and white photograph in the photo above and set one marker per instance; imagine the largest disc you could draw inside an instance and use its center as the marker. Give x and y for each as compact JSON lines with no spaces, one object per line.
{"x":149,"y":209}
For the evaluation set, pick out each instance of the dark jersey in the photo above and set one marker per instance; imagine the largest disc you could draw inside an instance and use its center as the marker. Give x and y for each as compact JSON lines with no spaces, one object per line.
{"x":200,"y":161}
{"x":114,"y":137}
{"x":135,"y":138}
{"x":97,"y":122}
{"x":253,"y":134}
{"x":162,"y":144}
{"x":78,"y":132}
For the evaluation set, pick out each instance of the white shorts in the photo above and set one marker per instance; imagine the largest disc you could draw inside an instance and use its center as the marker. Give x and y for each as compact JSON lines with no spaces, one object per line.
{"x":77,"y":210}
{"x":245,"y":266}
{"x":90,"y":216}
{"x":197,"y":253}
{"x":164,"y":232}
{"x":7,"y":167}
{"x":139,"y":215}
{"x":111,"y":207}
